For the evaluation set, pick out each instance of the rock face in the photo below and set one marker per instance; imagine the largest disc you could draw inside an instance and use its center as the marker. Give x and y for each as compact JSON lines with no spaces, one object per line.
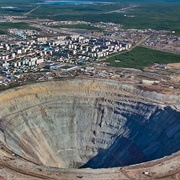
{"x":87,"y":123}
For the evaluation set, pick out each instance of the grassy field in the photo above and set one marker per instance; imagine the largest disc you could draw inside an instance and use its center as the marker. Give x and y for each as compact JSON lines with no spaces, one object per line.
{"x":141,"y":57}
{"x":7,"y":25}
{"x":80,"y":26}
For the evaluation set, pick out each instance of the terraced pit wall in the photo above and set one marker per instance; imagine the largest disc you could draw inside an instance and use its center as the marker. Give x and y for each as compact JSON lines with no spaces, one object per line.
{"x":89,"y":123}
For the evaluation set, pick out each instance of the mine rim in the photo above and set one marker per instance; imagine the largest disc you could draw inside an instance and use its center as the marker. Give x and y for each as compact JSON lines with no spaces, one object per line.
{"x":151,"y":161}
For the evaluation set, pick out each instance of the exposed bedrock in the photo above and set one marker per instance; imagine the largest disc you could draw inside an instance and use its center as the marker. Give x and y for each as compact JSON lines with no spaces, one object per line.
{"x":87,"y":123}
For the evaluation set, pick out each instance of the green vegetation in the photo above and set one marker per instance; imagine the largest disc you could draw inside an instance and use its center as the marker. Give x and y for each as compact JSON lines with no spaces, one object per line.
{"x":66,"y":67}
{"x":2,"y":32}
{"x":141,"y":57}
{"x":160,"y":15}
{"x":15,"y":9}
{"x":17,"y":2}
{"x":7,"y":25}
{"x":80,"y":26}
{"x":74,"y":12}
{"x":156,"y":15}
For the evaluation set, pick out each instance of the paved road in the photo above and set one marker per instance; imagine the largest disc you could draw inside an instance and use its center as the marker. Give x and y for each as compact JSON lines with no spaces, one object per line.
{"x":25,"y":14}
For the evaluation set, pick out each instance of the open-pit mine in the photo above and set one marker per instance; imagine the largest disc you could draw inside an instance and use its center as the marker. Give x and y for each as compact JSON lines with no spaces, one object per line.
{"x":89,"y":129}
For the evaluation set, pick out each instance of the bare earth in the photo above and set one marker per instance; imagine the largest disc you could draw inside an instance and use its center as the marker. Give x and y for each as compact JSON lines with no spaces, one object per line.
{"x":33,"y":160}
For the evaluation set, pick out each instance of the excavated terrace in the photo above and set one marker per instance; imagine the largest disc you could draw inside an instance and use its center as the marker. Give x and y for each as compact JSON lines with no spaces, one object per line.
{"x":89,"y":123}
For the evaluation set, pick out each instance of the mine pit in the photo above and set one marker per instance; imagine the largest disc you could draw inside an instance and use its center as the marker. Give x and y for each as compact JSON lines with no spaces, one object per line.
{"x":89,"y":124}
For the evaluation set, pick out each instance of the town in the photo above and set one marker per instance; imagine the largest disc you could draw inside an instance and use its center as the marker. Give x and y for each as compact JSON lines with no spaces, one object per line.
{"x":52,"y":53}
{"x":30,"y":54}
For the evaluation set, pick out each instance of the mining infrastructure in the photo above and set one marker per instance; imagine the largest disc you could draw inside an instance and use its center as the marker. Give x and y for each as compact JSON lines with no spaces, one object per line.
{"x":89,"y":129}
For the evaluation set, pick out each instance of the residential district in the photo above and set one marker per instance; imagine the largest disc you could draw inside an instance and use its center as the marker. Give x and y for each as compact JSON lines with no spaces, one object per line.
{"x":32,"y":55}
